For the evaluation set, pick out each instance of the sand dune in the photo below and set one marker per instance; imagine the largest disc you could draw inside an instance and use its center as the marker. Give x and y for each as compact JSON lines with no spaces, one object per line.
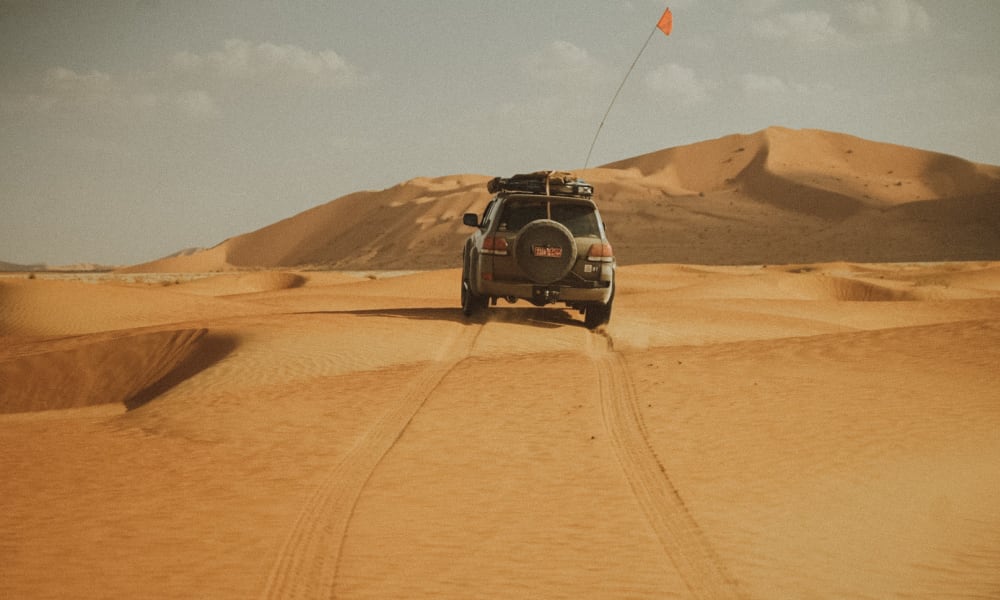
{"x":772,"y":197}
{"x":799,"y":431}
{"x":76,"y":372}
{"x":243,"y":283}
{"x":40,"y":307}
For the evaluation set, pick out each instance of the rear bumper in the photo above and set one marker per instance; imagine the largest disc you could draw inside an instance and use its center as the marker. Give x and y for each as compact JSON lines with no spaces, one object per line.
{"x":599,"y":291}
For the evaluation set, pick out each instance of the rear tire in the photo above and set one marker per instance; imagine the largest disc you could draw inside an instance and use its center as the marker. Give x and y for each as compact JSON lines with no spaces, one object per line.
{"x":597,"y":314}
{"x":472,"y":303}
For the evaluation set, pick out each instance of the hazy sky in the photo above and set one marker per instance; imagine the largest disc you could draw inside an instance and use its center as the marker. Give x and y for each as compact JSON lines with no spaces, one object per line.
{"x":132,"y":129}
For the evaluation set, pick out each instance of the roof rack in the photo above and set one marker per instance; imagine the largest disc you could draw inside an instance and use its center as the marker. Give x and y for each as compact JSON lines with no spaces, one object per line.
{"x":549,"y":183}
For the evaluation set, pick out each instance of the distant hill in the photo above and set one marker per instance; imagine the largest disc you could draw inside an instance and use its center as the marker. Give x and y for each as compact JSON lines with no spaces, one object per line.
{"x":777,"y":196}
{"x":6,"y":267}
{"x":41,"y":267}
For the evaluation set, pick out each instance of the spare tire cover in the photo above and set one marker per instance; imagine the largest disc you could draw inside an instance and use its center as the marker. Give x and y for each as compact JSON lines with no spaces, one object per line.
{"x":536,"y":251}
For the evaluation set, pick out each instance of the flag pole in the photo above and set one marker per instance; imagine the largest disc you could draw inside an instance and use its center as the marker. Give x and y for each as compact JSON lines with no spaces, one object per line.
{"x":660,"y":26}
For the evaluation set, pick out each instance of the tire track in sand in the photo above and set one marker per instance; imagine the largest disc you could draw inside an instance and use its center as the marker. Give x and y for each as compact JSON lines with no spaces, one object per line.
{"x":680,"y":535}
{"x":306,"y":565}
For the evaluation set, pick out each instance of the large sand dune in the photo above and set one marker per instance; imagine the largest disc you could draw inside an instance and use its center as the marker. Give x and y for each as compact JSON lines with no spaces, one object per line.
{"x":807,"y":431}
{"x":797,"y":397}
{"x":775,"y":196}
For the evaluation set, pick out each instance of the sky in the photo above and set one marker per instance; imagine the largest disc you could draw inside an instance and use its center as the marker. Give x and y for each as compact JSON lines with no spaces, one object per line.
{"x":132,"y":129}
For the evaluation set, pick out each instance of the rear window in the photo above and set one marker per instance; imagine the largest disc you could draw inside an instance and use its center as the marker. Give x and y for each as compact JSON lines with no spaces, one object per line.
{"x":580,"y":219}
{"x":518,"y":214}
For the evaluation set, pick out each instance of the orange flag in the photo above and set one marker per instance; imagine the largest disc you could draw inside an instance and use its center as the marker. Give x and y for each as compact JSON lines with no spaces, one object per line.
{"x":666,"y":24}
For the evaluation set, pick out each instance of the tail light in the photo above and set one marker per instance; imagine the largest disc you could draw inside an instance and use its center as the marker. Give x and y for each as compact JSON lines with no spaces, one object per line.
{"x":495,"y":245}
{"x":601,"y":253}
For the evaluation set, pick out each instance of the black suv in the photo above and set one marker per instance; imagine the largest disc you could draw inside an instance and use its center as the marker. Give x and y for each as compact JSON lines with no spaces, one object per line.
{"x":540,"y":239}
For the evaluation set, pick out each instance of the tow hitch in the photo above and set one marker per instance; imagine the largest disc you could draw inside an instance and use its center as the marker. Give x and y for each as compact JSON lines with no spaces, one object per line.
{"x":544,"y":295}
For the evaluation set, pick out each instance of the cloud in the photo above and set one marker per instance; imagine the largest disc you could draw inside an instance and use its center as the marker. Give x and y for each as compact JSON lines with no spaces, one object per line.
{"x":70,"y":82}
{"x":60,"y":90}
{"x":554,"y":76}
{"x":65,"y":92}
{"x":804,"y":27}
{"x":858,"y":21}
{"x":193,"y":85}
{"x":197,"y":103}
{"x":240,"y":60}
{"x":895,"y":20}
{"x":563,"y":63}
{"x":756,"y":85}
{"x":680,"y":83}
{"x":760,"y":6}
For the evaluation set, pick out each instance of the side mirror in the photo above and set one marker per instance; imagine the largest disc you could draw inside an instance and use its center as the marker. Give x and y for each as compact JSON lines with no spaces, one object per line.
{"x":470,"y":219}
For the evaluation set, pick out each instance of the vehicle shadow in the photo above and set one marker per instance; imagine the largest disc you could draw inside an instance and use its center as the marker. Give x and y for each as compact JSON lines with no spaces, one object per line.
{"x":548,"y":318}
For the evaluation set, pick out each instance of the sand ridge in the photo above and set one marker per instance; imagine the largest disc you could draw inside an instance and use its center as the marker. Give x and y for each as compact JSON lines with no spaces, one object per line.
{"x":82,"y":371}
{"x":775,"y":196}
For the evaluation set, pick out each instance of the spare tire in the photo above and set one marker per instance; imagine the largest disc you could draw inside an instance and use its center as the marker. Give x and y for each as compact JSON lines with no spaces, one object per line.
{"x":545,"y":250}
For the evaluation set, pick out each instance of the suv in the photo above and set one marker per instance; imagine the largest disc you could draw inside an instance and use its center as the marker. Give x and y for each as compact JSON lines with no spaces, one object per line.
{"x":540,"y":239}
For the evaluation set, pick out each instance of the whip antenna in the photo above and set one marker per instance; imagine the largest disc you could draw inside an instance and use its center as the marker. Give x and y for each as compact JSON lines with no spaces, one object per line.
{"x":666,"y":25}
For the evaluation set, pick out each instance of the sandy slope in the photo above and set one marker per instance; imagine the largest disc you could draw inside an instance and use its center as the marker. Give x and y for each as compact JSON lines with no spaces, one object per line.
{"x":806,"y":431}
{"x":772,"y":197}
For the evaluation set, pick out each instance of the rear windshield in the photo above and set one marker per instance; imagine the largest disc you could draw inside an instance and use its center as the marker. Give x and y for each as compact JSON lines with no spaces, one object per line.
{"x":580,"y":219}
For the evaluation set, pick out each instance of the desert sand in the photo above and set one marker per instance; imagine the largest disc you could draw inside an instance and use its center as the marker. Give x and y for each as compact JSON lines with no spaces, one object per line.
{"x":222,"y":424}
{"x":820,"y":431}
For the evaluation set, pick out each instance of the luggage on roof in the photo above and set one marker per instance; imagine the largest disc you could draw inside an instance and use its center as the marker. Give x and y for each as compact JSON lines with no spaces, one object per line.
{"x":549,"y":183}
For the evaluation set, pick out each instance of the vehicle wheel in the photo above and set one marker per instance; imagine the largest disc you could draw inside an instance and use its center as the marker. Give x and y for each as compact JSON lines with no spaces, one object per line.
{"x":598,"y":313}
{"x":472,"y":303}
{"x":556,"y":253}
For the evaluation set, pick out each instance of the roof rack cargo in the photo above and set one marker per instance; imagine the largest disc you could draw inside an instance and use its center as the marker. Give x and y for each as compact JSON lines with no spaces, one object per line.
{"x":549,"y":183}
